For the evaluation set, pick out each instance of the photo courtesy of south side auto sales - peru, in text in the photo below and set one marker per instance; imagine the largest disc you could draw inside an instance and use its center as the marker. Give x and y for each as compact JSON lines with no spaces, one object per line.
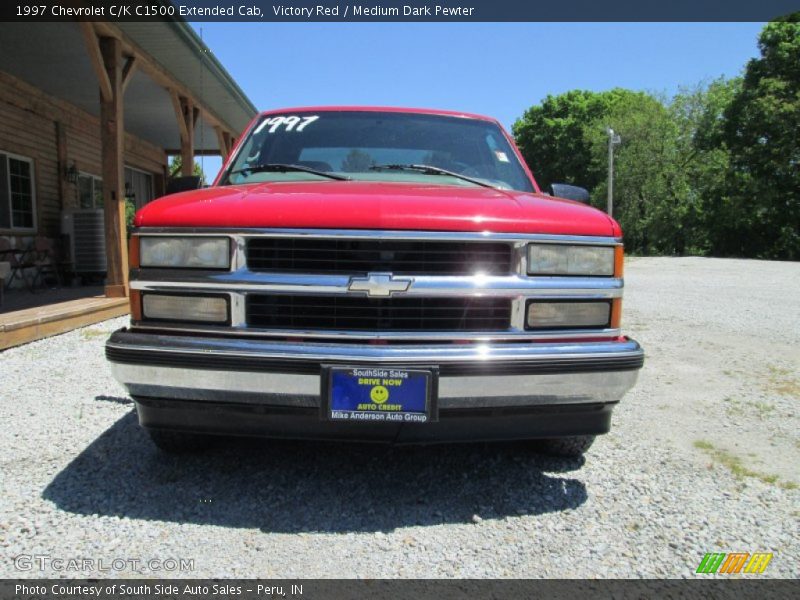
{"x":100,"y":590}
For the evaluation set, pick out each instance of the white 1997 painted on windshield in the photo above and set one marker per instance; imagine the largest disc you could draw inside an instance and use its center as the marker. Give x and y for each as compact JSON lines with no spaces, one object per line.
{"x":290,"y":122}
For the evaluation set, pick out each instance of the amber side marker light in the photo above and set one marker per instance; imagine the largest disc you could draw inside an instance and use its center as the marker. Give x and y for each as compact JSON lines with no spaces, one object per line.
{"x":616,"y":313}
{"x":619,"y":261}
{"x":136,"y":305}
{"x":616,"y":303}
{"x":133,"y":252}
{"x":133,"y":263}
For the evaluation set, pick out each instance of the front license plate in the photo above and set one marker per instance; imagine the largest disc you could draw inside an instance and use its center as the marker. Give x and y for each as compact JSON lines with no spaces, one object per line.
{"x":378,"y":394}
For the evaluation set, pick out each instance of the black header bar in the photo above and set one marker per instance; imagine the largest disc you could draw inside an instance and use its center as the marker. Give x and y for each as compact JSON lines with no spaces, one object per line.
{"x":342,"y":11}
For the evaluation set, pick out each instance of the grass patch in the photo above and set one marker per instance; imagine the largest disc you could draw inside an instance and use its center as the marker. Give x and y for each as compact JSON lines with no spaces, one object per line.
{"x":778,"y":370}
{"x":788,"y":388}
{"x":763,"y":408}
{"x":738,"y":407}
{"x":782,"y":381}
{"x":735,"y":466}
{"x":733,"y":373}
{"x":90,"y":334}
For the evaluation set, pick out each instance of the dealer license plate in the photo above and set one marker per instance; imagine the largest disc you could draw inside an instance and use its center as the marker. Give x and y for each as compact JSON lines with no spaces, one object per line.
{"x":380,"y":394}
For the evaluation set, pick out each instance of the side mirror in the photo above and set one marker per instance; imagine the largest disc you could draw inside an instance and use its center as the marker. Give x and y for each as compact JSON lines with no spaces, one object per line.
{"x":570,"y":192}
{"x":182,"y":184}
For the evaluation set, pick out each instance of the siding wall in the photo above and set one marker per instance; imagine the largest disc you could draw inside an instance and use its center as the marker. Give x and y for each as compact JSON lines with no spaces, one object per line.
{"x":29,"y":121}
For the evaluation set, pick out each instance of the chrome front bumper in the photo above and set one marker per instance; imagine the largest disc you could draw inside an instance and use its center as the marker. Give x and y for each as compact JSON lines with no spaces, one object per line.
{"x":287,"y":374}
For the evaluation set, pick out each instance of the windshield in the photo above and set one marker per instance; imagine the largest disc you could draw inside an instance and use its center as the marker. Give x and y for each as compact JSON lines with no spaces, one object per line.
{"x":360,"y":145}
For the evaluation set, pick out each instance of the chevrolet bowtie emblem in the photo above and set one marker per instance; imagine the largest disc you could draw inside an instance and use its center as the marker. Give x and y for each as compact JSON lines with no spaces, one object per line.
{"x":380,"y":284}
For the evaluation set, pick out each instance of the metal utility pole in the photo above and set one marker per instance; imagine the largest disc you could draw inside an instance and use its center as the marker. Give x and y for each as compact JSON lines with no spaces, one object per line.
{"x":613,"y":140}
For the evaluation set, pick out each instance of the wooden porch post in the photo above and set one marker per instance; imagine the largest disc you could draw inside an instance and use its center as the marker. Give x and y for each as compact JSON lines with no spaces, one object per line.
{"x":112,"y":138}
{"x":187,"y":114}
{"x":224,"y":141}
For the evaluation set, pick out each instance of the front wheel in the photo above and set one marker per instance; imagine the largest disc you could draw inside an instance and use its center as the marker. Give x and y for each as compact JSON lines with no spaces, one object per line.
{"x":178,"y":442}
{"x":567,"y":447}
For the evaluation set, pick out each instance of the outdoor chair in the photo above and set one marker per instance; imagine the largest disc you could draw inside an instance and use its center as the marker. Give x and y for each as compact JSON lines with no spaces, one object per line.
{"x":18,"y":259}
{"x":45,"y":261}
{"x":5,"y":271}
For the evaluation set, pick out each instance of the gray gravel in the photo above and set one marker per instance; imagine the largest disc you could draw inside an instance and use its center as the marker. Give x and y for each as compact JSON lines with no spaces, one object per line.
{"x":80,"y":480}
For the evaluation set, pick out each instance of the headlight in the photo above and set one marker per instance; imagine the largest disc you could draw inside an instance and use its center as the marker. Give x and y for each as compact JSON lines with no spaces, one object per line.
{"x":568,"y":314}
{"x":206,"y":309}
{"x":562,"y":259}
{"x":185,"y":252}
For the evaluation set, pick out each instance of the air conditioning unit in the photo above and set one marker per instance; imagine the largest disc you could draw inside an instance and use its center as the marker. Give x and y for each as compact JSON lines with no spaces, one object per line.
{"x":86,"y":232}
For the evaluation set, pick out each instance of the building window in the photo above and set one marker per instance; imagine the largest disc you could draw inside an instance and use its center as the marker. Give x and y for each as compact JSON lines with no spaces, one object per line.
{"x":138,"y":187}
{"x":17,"y":196}
{"x":90,"y":191}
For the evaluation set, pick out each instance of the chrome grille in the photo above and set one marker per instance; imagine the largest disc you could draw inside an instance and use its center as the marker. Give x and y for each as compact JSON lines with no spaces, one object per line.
{"x":355,"y":257}
{"x":359,"y":313}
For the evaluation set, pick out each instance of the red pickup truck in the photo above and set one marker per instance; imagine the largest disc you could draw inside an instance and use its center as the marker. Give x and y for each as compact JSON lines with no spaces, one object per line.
{"x":375,"y":274}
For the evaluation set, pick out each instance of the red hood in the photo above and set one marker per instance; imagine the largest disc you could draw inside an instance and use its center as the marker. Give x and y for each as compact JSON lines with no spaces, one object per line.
{"x":371,"y":205}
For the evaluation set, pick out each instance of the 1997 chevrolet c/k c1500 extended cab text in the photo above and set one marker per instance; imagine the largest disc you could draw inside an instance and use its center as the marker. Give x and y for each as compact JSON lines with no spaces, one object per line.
{"x":375,"y":274}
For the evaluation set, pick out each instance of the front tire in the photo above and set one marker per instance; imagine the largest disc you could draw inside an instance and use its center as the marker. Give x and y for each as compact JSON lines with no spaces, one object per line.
{"x":566,"y":447}
{"x":178,"y":442}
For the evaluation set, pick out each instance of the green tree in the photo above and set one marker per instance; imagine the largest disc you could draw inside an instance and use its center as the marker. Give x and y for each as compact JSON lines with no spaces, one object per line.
{"x":130,"y":214}
{"x":762,"y":130}
{"x":176,"y":163}
{"x":714,"y":170}
{"x":670,"y":171}
{"x":651,"y":191}
{"x":552,"y":135}
{"x":698,"y":113}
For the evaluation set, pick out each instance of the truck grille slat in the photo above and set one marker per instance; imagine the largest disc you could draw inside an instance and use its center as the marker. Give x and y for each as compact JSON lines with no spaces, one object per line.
{"x":386,"y":314}
{"x":293,"y":255}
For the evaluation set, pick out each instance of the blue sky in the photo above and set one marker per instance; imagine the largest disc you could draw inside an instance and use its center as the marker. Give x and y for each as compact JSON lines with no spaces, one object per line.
{"x":498,"y":69}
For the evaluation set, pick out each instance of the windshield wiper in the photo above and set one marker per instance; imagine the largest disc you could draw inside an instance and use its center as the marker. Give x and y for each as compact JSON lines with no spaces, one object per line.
{"x":430,"y":170}
{"x":285,"y":168}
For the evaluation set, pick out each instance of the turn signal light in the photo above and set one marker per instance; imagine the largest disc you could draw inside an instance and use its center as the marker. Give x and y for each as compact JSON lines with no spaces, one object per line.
{"x":568,"y":315}
{"x":205,"y":309}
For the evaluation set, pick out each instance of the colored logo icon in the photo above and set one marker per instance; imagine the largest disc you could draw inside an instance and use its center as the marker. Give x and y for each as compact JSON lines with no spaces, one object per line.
{"x":379,"y":394}
{"x":734,"y":562}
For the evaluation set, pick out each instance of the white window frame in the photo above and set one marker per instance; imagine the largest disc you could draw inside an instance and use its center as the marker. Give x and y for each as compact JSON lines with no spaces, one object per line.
{"x":78,"y":189}
{"x":32,"y":164}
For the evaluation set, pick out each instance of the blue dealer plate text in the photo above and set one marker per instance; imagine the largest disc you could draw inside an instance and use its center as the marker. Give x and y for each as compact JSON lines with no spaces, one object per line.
{"x":378,"y":394}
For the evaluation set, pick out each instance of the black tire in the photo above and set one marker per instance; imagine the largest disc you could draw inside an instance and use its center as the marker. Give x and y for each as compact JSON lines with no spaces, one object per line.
{"x":567,"y":447}
{"x":178,"y":442}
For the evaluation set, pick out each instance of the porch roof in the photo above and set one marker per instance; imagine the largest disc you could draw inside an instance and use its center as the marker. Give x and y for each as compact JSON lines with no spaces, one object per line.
{"x":171,"y":56}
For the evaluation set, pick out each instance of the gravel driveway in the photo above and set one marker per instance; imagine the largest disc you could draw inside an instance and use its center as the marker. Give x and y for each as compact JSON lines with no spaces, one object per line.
{"x":703,"y":457}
